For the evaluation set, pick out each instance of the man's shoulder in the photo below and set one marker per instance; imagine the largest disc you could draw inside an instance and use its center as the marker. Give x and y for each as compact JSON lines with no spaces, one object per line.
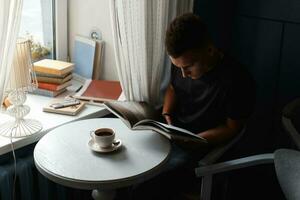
{"x":232,"y":68}
{"x":232,"y":73}
{"x":230,"y":63}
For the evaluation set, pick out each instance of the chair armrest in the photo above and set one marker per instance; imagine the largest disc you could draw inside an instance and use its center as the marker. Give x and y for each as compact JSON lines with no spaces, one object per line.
{"x":235,"y":164}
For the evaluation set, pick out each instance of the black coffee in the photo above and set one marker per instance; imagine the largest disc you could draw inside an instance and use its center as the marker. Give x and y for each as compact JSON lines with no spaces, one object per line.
{"x":103,"y":133}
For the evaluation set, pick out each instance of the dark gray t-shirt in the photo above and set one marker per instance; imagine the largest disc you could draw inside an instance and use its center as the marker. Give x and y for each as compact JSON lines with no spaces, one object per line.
{"x":226,"y":91}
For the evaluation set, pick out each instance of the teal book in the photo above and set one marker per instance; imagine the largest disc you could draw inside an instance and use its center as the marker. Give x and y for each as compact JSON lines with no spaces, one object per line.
{"x":83,"y":56}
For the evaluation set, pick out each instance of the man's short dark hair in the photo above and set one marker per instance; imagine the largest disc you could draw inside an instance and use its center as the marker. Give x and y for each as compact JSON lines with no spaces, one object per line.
{"x":186,"y":32}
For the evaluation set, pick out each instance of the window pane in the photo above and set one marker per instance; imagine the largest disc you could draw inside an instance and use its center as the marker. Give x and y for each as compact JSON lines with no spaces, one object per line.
{"x":37,"y":25}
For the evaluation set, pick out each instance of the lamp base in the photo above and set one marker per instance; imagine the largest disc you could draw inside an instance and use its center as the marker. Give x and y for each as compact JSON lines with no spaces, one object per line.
{"x":20,"y":128}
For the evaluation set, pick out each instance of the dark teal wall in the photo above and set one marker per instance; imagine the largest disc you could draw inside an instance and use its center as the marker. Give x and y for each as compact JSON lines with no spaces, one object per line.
{"x":218,"y":15}
{"x":264,"y":35}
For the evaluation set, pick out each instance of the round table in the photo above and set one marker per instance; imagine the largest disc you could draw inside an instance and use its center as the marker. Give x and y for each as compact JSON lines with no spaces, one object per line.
{"x":63,"y":156}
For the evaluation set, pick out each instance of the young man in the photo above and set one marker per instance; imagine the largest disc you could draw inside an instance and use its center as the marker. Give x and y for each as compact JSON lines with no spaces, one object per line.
{"x":210,"y":94}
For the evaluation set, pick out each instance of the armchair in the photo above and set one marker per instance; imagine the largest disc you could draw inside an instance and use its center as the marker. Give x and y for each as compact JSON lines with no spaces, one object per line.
{"x":287,"y":167}
{"x":210,"y":158}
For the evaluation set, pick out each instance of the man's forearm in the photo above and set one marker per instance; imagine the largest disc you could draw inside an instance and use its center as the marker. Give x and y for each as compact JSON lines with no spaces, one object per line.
{"x":218,"y":135}
{"x":169,"y":100}
{"x":224,"y":132}
{"x":169,"y":103}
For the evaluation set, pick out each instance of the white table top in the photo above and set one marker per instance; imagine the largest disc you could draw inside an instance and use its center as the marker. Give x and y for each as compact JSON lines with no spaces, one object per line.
{"x":48,"y":120}
{"x":63,"y":156}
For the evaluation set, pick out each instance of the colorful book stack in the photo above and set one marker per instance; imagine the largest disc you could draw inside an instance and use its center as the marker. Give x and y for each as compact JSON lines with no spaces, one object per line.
{"x":53,"y":76}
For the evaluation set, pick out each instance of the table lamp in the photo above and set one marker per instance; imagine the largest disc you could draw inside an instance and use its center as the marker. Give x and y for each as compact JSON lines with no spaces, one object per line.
{"x":22,"y":79}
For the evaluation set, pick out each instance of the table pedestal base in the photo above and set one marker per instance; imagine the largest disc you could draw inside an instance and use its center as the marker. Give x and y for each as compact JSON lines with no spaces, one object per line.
{"x":103,"y":194}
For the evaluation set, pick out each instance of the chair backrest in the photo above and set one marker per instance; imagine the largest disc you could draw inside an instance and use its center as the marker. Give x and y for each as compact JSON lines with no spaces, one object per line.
{"x":290,"y":112}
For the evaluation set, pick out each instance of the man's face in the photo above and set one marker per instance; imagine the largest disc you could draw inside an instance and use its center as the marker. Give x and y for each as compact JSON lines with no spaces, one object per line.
{"x":192,"y":64}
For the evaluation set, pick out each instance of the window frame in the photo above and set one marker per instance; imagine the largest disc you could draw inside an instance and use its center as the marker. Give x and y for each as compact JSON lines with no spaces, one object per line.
{"x":60,"y":29}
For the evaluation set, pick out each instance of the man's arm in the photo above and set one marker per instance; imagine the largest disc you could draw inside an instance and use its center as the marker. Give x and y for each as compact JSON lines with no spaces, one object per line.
{"x":169,"y":103}
{"x":224,"y":132}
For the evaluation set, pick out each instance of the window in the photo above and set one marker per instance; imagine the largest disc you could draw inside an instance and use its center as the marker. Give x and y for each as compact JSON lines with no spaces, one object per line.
{"x":44,"y":22}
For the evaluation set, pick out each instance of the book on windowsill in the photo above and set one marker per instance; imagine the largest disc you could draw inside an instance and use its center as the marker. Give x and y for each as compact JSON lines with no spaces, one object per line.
{"x":83,"y":56}
{"x":99,"y":91}
{"x":98,"y":59}
{"x":41,"y":74}
{"x":70,"y":110}
{"x":53,"y":86}
{"x":55,"y":67}
{"x":47,"y":93}
{"x":54,"y":80}
{"x":141,"y":116}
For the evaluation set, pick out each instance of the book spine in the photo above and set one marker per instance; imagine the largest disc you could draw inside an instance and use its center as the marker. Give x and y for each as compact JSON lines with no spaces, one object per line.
{"x":53,"y":80}
{"x":42,"y":92}
{"x":49,"y":80}
{"x":40,"y":74}
{"x":48,"y":86}
{"x":47,"y":70}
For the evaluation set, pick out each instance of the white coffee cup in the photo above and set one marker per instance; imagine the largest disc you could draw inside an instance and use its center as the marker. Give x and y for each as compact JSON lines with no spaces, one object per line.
{"x":104,"y":137}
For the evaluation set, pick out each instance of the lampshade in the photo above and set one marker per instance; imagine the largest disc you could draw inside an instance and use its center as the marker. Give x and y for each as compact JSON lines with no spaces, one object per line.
{"x":22,"y":76}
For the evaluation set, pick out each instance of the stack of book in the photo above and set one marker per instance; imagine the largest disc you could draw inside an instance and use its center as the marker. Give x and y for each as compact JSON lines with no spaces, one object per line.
{"x":53,"y":76}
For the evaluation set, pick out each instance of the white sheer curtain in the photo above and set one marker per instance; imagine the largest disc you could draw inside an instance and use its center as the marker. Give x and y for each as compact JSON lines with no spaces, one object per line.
{"x":10,"y":15}
{"x":139,"y":31}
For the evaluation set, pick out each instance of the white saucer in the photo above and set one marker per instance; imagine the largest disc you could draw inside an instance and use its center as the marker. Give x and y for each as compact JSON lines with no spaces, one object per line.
{"x":95,"y":147}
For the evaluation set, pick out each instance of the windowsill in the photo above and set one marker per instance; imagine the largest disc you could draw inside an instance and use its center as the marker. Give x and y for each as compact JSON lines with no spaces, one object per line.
{"x":49,"y":120}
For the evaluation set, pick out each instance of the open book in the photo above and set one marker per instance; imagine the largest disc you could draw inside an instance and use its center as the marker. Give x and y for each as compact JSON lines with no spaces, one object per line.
{"x":141,"y":116}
